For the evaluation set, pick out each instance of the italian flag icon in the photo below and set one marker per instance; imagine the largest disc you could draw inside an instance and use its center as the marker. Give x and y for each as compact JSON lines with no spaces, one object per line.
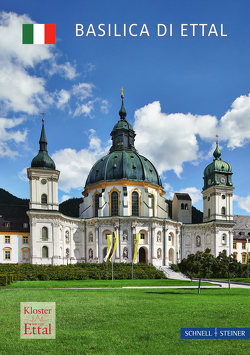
{"x":39,"y":34}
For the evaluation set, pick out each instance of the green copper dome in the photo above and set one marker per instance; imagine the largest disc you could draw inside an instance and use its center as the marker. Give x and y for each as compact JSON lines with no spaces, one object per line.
{"x":122,"y":124}
{"x":218,"y":173}
{"x":43,"y":160}
{"x":123,"y":161}
{"x":127,"y":165}
{"x":218,"y":164}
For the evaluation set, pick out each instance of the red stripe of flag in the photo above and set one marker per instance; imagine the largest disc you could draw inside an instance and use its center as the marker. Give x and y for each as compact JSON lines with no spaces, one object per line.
{"x":50,"y":34}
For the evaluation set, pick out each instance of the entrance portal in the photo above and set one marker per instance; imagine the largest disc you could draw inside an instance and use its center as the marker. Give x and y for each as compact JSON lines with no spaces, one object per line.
{"x":142,"y":255}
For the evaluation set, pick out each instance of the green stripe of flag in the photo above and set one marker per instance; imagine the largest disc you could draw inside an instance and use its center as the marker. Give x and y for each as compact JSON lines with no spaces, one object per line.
{"x":27,"y":33}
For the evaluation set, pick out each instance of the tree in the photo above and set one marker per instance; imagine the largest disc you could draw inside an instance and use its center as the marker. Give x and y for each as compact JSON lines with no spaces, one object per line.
{"x":203,"y":264}
{"x":228,"y":265}
{"x":198,"y":265}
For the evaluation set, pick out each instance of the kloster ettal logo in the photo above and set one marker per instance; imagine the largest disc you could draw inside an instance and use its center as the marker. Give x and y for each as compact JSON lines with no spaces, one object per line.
{"x":37,"y":320}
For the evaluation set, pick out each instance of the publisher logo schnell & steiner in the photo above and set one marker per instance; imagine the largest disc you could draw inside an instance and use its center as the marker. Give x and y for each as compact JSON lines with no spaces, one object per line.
{"x":37,"y":320}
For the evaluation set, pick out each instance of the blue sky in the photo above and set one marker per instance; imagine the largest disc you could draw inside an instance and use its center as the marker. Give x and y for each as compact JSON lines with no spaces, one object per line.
{"x":180,"y":91}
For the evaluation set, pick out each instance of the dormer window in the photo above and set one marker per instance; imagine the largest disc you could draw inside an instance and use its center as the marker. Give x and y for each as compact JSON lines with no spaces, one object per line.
{"x":7,"y":224}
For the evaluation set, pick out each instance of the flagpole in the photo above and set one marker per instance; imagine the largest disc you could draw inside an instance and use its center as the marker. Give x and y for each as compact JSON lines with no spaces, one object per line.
{"x":107,"y":269}
{"x":112,"y":269}
{"x":132,"y":270}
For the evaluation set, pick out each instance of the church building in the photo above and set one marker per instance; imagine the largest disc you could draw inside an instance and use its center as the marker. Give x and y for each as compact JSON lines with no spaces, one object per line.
{"x":124,"y":194}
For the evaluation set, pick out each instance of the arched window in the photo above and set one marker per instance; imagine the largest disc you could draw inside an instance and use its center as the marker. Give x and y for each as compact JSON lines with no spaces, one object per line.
{"x":44,"y":199}
{"x":223,"y":211}
{"x":96,"y":204}
{"x":135,"y":203}
{"x":182,"y":206}
{"x":186,"y":206}
{"x":7,"y":253}
{"x":224,"y":239}
{"x":44,"y":233}
{"x":152,"y":204}
{"x":45,"y":252}
{"x":114,"y":203}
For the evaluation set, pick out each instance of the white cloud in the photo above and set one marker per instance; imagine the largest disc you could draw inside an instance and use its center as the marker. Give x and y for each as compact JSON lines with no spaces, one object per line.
{"x":63,"y":98}
{"x":88,"y":68}
{"x":235,"y":124}
{"x":11,"y":41}
{"x":65,"y":198}
{"x":9,"y":134}
{"x":169,"y":140}
{"x":193,"y":192}
{"x":66,"y":70}
{"x":243,"y":202}
{"x":169,"y":191}
{"x":85,"y":109}
{"x":21,"y":91}
{"x":75,"y":166}
{"x":83,"y":90}
{"x":105,"y":106}
{"x":23,"y":175}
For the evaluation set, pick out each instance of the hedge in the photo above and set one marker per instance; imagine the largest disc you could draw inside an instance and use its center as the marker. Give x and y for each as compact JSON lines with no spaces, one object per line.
{"x":81,"y":271}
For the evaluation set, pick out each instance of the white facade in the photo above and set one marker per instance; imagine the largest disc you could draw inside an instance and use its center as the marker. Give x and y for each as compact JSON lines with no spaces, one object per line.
{"x":124,"y":194}
{"x":58,"y":239}
{"x":43,"y":189}
{"x":216,"y":236}
{"x":218,"y":204}
{"x":151,"y":202}
{"x":15,"y":247}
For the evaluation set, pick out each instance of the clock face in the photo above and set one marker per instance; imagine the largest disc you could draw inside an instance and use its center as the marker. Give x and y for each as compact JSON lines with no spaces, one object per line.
{"x":209,"y":182}
{"x":222,"y":180}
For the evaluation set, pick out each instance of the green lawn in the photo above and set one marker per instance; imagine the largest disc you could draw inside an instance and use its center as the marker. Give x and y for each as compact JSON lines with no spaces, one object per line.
{"x":127,"y":321}
{"x":237,"y":280}
{"x":103,"y":283}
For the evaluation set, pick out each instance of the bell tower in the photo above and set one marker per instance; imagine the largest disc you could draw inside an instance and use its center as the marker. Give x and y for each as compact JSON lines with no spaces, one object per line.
{"x":43,"y":178}
{"x":218,"y":190}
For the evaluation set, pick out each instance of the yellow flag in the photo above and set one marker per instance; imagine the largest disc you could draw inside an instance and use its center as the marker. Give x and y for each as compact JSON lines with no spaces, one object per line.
{"x":115,"y":244}
{"x":109,"y":247}
{"x":247,"y":252}
{"x":136,"y":242}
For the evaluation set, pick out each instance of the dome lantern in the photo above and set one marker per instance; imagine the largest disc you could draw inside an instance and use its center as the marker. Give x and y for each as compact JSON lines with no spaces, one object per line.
{"x":123,"y":135}
{"x":123,"y":161}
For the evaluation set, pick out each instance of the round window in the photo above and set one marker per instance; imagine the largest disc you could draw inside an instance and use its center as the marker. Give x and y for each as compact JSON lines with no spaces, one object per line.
{"x":44,"y":181}
{"x":223,"y":197}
